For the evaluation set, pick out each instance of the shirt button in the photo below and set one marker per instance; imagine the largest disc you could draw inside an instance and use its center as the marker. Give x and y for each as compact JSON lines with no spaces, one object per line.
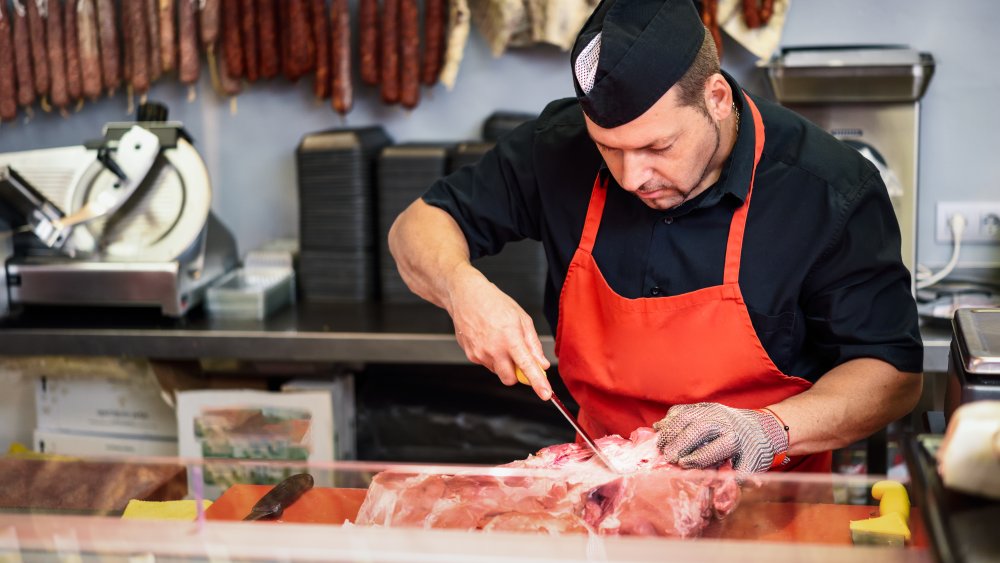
{"x":655,"y":290}
{"x":668,"y":220}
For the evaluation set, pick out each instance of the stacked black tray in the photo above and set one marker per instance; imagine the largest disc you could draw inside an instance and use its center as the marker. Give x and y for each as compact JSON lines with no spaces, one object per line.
{"x":519,"y":269}
{"x":336,"y":213}
{"x":405,"y":172}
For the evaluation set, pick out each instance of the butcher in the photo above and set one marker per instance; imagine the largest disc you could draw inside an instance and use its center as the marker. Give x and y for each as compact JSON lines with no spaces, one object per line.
{"x":718,"y":267}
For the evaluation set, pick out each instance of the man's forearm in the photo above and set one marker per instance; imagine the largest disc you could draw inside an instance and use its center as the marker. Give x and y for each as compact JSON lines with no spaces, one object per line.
{"x":850,"y":402}
{"x":429,"y":249}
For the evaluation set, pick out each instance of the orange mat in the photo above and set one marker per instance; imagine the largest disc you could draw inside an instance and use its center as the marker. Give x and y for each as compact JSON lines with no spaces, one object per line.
{"x":786,"y":522}
{"x":318,"y":505}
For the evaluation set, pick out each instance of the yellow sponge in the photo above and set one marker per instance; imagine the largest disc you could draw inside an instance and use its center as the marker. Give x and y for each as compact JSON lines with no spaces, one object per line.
{"x":166,"y":510}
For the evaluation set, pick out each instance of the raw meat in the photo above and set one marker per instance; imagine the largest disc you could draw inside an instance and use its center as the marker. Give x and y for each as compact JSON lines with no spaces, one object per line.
{"x":567,"y":490}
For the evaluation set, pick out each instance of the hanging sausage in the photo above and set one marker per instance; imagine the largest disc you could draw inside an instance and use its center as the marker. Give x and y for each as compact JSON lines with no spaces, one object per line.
{"x":409,"y":53}
{"x":340,"y":32}
{"x":108,"y":39}
{"x":168,"y":36}
{"x":74,"y":86}
{"x":8,"y":80}
{"x":321,"y":21}
{"x":22,"y":58}
{"x":368,"y":41}
{"x":434,"y":22}
{"x":389,"y":50}
{"x":90,"y":54}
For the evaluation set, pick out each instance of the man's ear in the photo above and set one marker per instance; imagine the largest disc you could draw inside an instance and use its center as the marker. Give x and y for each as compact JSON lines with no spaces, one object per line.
{"x":718,"y":97}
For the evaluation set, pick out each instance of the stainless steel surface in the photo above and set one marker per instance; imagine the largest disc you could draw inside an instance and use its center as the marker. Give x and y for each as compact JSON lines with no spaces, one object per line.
{"x":977,"y":333}
{"x":850,"y":75}
{"x":6,"y":251}
{"x":582,"y":433}
{"x":306,"y":331}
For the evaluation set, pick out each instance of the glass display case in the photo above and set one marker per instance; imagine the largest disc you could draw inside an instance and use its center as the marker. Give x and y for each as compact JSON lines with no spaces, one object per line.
{"x":184,"y":509}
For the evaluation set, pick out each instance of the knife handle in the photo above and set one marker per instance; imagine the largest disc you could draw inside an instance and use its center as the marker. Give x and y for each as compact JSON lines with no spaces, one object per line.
{"x":521,"y":378}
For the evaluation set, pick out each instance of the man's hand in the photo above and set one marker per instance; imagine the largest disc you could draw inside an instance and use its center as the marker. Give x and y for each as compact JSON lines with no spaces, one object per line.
{"x":706,"y":434}
{"x":496,"y":332}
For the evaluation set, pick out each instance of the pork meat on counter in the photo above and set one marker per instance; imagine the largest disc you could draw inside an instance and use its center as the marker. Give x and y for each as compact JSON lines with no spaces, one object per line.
{"x":577,"y":494}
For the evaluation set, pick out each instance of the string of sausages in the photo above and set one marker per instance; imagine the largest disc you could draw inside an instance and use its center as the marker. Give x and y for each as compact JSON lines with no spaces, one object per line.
{"x":756,"y":14}
{"x":60,"y":53}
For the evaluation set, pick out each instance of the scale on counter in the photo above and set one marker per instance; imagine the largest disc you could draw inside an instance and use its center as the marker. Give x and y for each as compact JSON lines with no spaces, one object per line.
{"x":868,"y":96}
{"x":123,"y":221}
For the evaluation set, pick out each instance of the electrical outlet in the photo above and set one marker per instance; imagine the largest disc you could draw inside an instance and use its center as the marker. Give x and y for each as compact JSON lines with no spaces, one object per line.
{"x":982,"y":220}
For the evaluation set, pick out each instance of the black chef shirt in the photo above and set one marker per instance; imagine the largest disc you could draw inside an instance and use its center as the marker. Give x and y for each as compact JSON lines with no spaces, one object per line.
{"x":821,"y":271}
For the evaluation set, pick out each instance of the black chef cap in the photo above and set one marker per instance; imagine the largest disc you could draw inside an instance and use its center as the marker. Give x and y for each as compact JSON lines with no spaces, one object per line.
{"x":629,"y":53}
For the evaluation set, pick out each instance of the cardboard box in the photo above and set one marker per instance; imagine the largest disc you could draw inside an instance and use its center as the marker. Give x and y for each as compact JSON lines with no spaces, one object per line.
{"x":102,"y":445}
{"x":341,"y":390}
{"x":119,"y":406}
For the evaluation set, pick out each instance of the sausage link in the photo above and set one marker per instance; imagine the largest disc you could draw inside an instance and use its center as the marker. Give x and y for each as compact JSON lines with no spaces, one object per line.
{"x":168,"y":36}
{"x":270,"y":43}
{"x":766,"y":11}
{"x":390,"y":52}
{"x":434,"y":20}
{"x":321,"y":27}
{"x":299,"y":47}
{"x":56,"y":49}
{"x":750,"y":14}
{"x":74,"y":86}
{"x":248,"y":32}
{"x":8,"y":87}
{"x":232,"y":44}
{"x":39,"y":58}
{"x":229,"y":83}
{"x":134,"y":17}
{"x":409,"y":41}
{"x":189,"y":65}
{"x":340,"y":51}
{"x":152,"y":10}
{"x":368,"y":43}
{"x":90,"y":55}
{"x":111,"y":71}
{"x":126,"y":45}
{"x":210,"y":23}
{"x":22,"y":56}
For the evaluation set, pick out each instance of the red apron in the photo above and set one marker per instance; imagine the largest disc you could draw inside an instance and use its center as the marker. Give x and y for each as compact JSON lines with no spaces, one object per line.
{"x":627,"y":361}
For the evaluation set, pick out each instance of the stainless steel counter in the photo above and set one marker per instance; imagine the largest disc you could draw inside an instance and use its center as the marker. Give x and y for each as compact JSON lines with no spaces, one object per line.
{"x":315,"y":332}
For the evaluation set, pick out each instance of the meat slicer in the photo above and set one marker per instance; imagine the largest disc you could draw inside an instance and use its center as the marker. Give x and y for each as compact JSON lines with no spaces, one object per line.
{"x":122,"y":221}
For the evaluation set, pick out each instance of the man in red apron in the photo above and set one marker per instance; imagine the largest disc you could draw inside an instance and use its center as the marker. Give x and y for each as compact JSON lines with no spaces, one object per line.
{"x":765,"y":334}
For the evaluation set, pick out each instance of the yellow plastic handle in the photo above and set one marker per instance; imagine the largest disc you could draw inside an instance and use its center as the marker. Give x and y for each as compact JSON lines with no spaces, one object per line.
{"x":892,"y":498}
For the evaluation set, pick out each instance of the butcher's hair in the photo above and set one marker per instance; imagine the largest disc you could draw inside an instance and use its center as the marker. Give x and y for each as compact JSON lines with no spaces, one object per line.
{"x":691,"y":86}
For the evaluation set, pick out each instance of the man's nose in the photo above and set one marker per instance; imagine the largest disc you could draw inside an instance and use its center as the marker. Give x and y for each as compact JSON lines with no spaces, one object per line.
{"x":635,"y":171}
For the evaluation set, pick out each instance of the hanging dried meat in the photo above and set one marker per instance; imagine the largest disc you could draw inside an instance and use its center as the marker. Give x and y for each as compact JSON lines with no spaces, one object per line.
{"x":459,"y":23}
{"x":8,"y":78}
{"x":368,"y":41}
{"x":22,"y":57}
{"x":340,"y":51}
{"x":90,"y":54}
{"x":108,"y":39}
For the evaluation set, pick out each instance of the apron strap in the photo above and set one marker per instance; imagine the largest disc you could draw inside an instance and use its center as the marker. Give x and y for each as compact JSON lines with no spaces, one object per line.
{"x":734,"y":247}
{"x":598,"y":195}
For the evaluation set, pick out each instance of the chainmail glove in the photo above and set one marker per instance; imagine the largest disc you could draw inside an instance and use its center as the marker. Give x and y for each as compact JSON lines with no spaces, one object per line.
{"x":706,"y":434}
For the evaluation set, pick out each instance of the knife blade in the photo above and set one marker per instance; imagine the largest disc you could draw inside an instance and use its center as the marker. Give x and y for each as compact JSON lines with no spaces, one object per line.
{"x":584,"y":435}
{"x":283,"y":495}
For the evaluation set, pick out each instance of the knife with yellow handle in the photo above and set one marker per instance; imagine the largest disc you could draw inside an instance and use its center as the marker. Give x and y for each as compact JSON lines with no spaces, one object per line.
{"x":576,"y":426}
